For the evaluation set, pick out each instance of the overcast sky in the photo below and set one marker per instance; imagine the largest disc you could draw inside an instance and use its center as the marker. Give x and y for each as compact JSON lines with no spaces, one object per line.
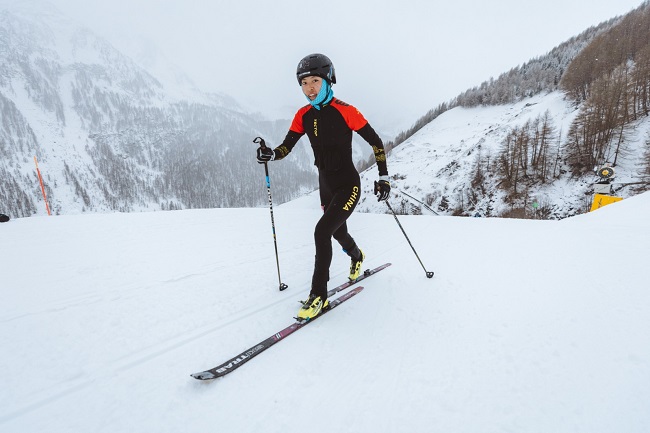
{"x":394,"y":59}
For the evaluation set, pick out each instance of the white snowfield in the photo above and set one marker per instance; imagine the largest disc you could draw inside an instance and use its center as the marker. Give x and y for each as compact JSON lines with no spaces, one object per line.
{"x":527,"y":326}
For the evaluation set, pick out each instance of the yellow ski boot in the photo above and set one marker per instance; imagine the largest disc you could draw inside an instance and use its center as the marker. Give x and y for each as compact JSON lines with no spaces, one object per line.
{"x":355,"y":267}
{"x":312,"y":308}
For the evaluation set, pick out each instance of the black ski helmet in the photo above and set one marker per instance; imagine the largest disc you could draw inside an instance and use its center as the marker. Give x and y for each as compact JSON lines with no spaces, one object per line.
{"x":316,"y":65}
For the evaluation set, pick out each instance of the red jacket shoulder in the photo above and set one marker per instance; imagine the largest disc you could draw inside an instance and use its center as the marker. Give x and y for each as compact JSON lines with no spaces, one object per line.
{"x":352,"y":116}
{"x":297,"y":125}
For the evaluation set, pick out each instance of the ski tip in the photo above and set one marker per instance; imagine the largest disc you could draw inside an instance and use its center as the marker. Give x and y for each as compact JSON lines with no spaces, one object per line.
{"x":204,"y":375}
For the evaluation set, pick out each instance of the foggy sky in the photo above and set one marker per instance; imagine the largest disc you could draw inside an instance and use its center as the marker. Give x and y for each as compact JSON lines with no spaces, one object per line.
{"x":394,"y":59}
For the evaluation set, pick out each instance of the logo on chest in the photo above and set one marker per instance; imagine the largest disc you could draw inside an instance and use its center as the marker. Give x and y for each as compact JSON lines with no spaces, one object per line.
{"x":316,"y":127}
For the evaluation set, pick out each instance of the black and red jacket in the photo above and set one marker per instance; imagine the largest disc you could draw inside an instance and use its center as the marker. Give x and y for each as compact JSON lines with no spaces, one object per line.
{"x":330,"y":133}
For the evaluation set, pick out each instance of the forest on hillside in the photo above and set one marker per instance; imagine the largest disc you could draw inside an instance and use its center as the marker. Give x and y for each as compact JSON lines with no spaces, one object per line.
{"x":610,"y":79}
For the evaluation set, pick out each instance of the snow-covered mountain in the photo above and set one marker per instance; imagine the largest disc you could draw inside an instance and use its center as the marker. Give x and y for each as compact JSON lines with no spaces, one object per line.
{"x":524,"y":328}
{"x":112,"y":133}
{"x":110,"y":136}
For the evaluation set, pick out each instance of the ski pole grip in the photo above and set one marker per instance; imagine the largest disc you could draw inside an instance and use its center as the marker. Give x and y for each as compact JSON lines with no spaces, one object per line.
{"x":260,"y":141}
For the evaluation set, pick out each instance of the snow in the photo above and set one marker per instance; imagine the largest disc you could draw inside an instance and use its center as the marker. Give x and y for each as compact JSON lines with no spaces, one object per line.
{"x":527,"y":326}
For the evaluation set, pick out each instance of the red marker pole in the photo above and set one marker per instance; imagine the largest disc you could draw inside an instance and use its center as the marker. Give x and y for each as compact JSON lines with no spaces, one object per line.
{"x":40,"y":179}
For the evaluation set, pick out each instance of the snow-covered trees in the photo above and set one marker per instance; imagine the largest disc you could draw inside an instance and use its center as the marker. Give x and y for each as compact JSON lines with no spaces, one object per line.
{"x":527,"y":154}
{"x":610,"y":79}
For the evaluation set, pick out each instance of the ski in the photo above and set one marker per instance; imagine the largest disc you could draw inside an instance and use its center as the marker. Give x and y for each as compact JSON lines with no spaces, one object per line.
{"x":366,"y":274}
{"x":241,"y":359}
{"x":247,"y":355}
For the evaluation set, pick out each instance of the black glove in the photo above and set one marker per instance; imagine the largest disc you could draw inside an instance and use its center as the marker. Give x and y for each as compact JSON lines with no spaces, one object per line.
{"x":265,"y":154}
{"x":382,"y":188}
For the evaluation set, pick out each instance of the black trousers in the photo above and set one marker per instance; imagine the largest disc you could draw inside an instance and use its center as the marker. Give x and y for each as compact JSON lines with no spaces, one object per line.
{"x":337,"y":206}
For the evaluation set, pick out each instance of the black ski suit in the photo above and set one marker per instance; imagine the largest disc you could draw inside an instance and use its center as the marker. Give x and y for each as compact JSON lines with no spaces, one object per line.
{"x":330,"y":133}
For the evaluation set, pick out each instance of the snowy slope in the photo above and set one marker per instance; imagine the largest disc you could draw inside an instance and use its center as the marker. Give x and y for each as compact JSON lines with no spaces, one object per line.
{"x":436,"y":164}
{"x":527,"y":326}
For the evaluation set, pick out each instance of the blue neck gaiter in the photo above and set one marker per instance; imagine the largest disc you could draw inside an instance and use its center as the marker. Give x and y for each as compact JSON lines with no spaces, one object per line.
{"x":324,"y":96}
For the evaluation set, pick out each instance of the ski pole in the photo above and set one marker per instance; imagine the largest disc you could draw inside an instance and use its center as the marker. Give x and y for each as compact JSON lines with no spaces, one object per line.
{"x":429,"y":274}
{"x":423,"y":204}
{"x":260,"y":141}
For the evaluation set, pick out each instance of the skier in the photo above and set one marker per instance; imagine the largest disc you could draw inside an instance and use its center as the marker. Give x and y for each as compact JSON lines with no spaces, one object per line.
{"x":329,"y":123}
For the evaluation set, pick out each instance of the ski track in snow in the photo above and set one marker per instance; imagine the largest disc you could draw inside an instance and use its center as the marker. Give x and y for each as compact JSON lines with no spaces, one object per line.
{"x":141,"y":356}
{"x":519,"y":330}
